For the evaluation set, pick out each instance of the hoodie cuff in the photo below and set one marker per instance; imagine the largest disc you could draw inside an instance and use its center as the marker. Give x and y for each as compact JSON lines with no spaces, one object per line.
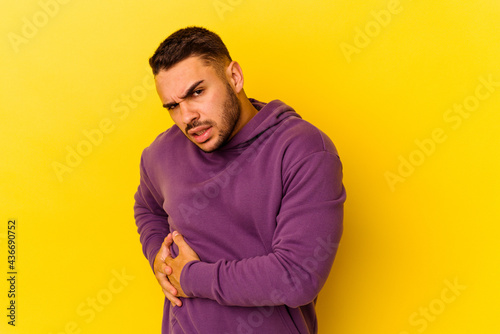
{"x":196,"y":279}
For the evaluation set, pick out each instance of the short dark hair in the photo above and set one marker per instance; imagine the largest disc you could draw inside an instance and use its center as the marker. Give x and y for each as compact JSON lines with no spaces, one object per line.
{"x":187,"y":42}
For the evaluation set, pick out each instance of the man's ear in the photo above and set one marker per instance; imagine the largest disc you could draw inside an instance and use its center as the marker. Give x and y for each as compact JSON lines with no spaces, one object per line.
{"x":235,"y":76}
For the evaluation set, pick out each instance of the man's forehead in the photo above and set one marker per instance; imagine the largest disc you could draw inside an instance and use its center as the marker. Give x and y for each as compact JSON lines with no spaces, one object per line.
{"x":182,"y":75}
{"x":186,"y":66}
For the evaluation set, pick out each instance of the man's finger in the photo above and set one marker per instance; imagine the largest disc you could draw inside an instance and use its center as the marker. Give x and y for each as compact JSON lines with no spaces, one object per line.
{"x":160,"y":265}
{"x":169,"y":291}
{"x":173,"y":300}
{"x":168,"y":240}
{"x":165,"y":247}
{"x":165,"y":284}
{"x":165,"y":268}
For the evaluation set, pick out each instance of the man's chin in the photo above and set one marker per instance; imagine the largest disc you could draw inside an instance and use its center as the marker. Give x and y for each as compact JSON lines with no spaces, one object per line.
{"x":211,"y":144}
{"x":211,"y":150}
{"x":208,"y":146}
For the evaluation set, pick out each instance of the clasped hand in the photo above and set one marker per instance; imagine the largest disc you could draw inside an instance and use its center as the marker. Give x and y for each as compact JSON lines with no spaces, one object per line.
{"x":168,"y":270}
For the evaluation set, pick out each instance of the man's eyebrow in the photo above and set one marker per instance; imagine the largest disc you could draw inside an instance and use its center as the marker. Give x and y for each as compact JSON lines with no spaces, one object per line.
{"x":188,"y":92}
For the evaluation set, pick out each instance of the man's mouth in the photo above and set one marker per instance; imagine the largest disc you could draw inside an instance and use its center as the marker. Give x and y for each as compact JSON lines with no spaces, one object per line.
{"x":201,"y":134}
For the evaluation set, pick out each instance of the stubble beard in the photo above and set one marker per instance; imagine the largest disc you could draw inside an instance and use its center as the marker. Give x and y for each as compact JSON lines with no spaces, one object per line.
{"x":231,"y":111}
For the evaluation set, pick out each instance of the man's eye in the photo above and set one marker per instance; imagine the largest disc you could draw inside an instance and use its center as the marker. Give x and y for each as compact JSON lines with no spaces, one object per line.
{"x":171,"y":107}
{"x":197,"y":92}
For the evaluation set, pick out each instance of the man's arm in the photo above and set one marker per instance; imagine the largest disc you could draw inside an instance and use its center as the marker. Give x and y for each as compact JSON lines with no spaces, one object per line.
{"x":153,"y":229}
{"x":308,"y":230}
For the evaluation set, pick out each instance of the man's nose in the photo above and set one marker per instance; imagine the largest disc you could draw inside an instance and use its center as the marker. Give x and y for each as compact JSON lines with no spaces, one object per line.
{"x":188,"y":113}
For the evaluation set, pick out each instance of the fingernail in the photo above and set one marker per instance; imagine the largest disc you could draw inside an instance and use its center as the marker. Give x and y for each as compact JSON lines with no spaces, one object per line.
{"x":175,"y":233}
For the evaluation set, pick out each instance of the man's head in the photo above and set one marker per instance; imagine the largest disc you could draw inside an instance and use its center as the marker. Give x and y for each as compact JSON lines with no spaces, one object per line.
{"x":201,"y":87}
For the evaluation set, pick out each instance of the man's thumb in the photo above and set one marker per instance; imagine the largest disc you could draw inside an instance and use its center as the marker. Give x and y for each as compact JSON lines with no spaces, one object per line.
{"x":178,"y":239}
{"x":183,"y":245}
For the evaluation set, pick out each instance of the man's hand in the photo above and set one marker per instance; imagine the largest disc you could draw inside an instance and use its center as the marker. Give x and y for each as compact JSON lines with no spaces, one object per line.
{"x":162,"y":270}
{"x":186,"y":254}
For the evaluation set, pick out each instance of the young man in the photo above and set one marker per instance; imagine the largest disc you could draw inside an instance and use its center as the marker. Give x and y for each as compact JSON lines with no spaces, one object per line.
{"x":240,"y":203}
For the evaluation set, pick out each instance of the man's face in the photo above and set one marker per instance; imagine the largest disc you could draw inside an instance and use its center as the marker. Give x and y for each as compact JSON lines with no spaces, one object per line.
{"x":201,"y":103}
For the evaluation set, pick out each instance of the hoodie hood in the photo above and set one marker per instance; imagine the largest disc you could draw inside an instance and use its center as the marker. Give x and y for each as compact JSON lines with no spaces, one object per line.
{"x":268,"y":115}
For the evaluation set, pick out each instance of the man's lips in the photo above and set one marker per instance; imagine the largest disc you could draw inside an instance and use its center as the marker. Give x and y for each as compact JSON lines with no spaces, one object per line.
{"x":198,"y":129}
{"x":200,"y":133}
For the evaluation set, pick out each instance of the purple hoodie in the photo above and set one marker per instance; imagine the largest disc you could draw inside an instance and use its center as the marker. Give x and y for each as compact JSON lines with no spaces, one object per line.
{"x":264,"y":214}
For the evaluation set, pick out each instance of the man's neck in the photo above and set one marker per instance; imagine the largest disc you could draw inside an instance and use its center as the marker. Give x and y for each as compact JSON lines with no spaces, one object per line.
{"x":248,"y":111}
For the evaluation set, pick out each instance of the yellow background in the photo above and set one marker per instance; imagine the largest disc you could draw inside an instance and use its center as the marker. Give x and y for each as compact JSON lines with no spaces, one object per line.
{"x":403,"y":241}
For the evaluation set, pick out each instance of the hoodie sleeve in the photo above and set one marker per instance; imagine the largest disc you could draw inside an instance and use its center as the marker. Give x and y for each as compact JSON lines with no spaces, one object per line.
{"x":308,"y":230}
{"x":150,"y":218}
